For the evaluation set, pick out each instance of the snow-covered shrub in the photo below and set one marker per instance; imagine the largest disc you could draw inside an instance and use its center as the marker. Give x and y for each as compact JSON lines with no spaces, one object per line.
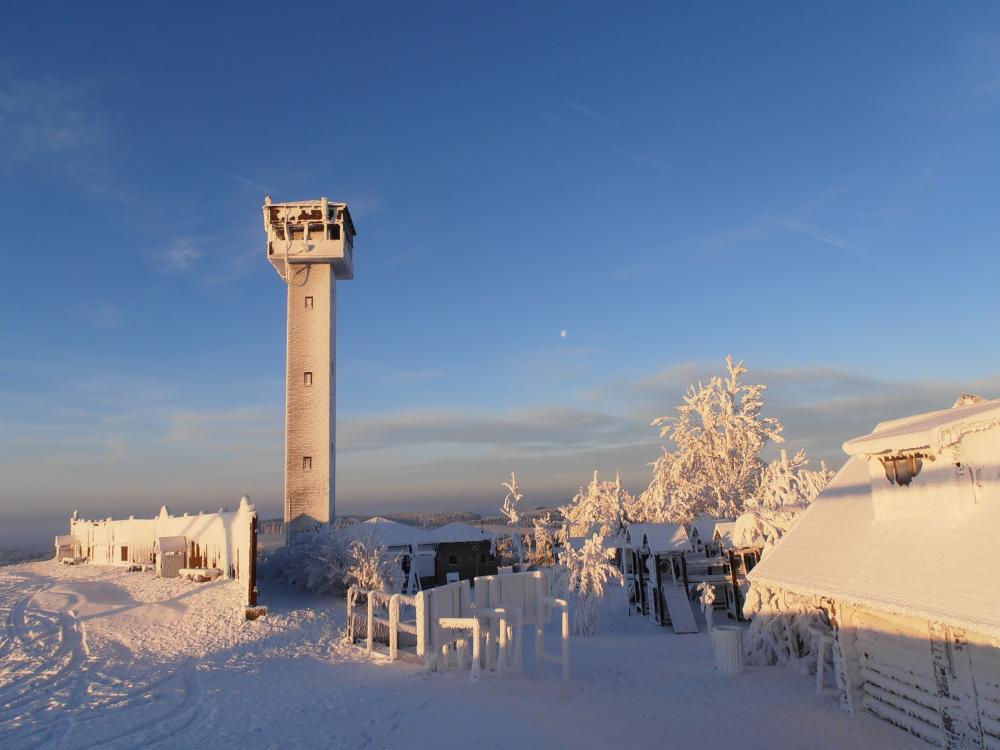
{"x":316,"y":560}
{"x":586,"y":572}
{"x":370,"y":566}
{"x":780,"y":626}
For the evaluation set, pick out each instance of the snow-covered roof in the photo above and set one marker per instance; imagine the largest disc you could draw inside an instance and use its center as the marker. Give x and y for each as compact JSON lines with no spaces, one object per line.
{"x":724,"y":531}
{"x":934,"y":430}
{"x":172,"y":543}
{"x":660,"y":537}
{"x":499,"y":529}
{"x":705,"y":527}
{"x":390,"y":533}
{"x":460,"y":532}
{"x":918,"y":567}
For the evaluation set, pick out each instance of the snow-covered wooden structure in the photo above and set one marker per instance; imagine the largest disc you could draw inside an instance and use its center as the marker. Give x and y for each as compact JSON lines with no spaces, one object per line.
{"x":226,"y":540}
{"x":311,"y":246}
{"x":711,"y":535}
{"x":654,"y":571}
{"x":896,"y":558}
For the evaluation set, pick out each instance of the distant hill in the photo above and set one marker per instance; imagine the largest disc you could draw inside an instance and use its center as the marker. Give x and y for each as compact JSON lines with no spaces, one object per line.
{"x":15,"y":556}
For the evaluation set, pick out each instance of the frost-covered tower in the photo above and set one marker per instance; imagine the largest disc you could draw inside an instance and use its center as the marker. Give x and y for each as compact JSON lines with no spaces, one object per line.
{"x":310,"y":244}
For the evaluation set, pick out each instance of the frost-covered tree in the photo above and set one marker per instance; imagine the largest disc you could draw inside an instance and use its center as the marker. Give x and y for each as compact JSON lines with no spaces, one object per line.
{"x":585,"y":572}
{"x":786,"y":488}
{"x":718,"y":434}
{"x":512,"y":500}
{"x":544,"y":553}
{"x":604,"y":507}
{"x":316,"y":560}
{"x":513,"y":516}
{"x":371,"y":566}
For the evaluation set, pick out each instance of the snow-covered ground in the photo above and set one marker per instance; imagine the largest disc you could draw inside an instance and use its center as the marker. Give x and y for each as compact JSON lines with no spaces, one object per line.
{"x":98,"y":657}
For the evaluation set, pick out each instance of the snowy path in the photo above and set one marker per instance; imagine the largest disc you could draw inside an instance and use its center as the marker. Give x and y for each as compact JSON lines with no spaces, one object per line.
{"x":95,"y":657}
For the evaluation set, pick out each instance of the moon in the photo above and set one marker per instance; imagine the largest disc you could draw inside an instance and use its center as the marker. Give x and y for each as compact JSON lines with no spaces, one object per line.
{"x":562,"y":333}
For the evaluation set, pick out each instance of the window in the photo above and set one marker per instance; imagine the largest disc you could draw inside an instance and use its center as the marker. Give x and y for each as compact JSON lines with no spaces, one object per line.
{"x":453,"y":560}
{"x":309,"y":303}
{"x":901,"y":469}
{"x":307,"y":378}
{"x":307,"y":463}
{"x":334,"y":231}
{"x":125,"y":553}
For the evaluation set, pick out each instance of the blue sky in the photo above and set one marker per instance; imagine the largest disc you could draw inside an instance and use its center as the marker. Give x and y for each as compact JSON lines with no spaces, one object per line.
{"x":812,"y":189}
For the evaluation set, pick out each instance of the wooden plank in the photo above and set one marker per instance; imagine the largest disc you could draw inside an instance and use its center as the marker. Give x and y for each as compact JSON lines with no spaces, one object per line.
{"x":883,"y":679}
{"x":927,"y":715}
{"x":904,"y":721}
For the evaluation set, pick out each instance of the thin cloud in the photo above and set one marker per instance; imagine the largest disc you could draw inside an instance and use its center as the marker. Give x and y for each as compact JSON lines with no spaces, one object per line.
{"x":818,"y":234}
{"x":180,"y":255}
{"x":644,"y":160}
{"x":584,"y":110}
{"x":240,"y":178}
{"x":46,"y":117}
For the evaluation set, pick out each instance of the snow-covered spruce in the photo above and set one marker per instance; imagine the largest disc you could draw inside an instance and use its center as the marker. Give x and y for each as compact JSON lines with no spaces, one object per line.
{"x":586,"y":571}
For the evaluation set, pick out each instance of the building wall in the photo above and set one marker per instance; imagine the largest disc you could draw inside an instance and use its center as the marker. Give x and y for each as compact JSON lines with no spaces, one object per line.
{"x":471,"y":559}
{"x":215,"y":540}
{"x":935,"y":680}
{"x":310,"y":413}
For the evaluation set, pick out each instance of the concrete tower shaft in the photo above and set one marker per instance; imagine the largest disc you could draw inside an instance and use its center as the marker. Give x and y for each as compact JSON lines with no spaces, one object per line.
{"x":310,"y":244}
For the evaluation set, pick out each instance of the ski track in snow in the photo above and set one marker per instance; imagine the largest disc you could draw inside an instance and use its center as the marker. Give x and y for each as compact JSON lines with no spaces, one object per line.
{"x":95,"y":657}
{"x":53,"y":694}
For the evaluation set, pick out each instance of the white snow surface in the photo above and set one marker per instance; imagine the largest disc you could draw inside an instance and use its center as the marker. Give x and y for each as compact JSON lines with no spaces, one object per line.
{"x":94,"y":656}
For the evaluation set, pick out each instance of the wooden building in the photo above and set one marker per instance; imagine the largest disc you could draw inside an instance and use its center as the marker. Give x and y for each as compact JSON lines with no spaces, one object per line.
{"x":463,"y":552}
{"x":897,"y":556}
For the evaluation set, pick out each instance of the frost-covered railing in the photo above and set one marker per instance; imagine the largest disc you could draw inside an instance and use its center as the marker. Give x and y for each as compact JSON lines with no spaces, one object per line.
{"x":526,"y":597}
{"x":383,"y":612}
{"x":445,"y":621}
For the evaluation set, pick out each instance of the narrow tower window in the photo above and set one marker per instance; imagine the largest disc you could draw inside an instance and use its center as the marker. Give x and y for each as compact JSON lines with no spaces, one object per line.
{"x":309,"y":303}
{"x":307,"y":378}
{"x":307,"y":463}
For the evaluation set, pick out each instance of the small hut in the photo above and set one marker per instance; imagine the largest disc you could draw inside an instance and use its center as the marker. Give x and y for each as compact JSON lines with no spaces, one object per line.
{"x":896,"y":558}
{"x":463,"y":552}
